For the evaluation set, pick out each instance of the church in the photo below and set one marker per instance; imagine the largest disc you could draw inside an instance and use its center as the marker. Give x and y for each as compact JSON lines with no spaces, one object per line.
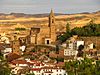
{"x":37,"y":35}
{"x":44,"y":34}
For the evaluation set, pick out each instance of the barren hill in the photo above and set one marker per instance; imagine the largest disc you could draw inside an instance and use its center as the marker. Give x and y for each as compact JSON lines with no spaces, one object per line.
{"x":76,"y":20}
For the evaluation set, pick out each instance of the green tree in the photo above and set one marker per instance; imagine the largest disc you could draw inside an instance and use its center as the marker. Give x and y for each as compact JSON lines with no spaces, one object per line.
{"x":20,"y":29}
{"x":83,"y":67}
{"x":4,"y":68}
{"x":67,"y":27}
{"x":30,"y":74}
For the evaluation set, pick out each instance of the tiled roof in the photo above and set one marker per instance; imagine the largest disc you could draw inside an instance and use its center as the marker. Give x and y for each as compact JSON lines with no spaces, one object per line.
{"x":12,"y":56}
{"x":51,"y":68}
{"x":36,"y":63}
{"x":60,"y":64}
{"x":19,"y":62}
{"x":36,"y":69}
{"x":48,"y":72}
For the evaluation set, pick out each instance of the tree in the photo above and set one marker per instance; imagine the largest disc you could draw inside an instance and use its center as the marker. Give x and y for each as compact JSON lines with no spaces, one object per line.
{"x":30,"y":74}
{"x":20,"y":29}
{"x":59,"y":59}
{"x":57,"y":49}
{"x":81,"y":47}
{"x":4,"y":68}
{"x":83,"y":67}
{"x":67,"y":28}
{"x":91,"y":29}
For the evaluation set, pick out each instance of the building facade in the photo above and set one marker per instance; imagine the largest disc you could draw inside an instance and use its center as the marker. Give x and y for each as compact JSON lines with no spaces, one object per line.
{"x":44,"y":34}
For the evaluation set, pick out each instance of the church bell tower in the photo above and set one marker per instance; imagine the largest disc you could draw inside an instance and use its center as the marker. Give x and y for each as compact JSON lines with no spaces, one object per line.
{"x":52,"y":27}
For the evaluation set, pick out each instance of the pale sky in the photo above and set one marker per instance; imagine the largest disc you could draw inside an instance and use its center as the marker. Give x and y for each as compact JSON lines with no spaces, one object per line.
{"x":44,"y":6}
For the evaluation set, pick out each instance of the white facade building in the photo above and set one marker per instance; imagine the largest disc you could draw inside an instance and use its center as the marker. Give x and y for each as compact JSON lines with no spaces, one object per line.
{"x":15,"y":70}
{"x":91,"y":46}
{"x":78,"y":43}
{"x":37,"y":67}
{"x":48,"y":71}
{"x":23,"y":48}
{"x":7,"y":50}
{"x":70,"y":52}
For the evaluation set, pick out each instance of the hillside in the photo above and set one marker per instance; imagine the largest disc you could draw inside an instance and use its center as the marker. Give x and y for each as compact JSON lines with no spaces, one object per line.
{"x":76,"y":20}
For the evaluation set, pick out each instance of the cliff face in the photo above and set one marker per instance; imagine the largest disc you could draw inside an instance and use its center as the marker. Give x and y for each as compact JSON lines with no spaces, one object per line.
{"x":76,"y":20}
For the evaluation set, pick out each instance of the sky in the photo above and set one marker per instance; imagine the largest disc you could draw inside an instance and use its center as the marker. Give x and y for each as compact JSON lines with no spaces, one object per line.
{"x":44,"y":6}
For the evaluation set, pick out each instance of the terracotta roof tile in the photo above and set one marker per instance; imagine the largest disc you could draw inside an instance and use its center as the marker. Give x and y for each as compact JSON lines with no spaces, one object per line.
{"x":19,"y":62}
{"x":36,"y":69}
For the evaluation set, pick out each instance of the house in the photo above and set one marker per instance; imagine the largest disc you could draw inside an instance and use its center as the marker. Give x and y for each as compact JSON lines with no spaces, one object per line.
{"x":20,"y":63}
{"x":52,"y":54}
{"x":7,"y":49}
{"x":79,"y":42}
{"x":70,"y":52}
{"x":61,"y":53}
{"x":4,"y":39}
{"x":49,"y":71}
{"x":2,"y":47}
{"x":12,"y":56}
{"x":20,"y":70}
{"x":15,"y":70}
{"x":37,"y":67}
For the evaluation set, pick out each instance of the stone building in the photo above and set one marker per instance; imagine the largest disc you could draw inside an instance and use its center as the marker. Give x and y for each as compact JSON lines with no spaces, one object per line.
{"x":16,"y":46}
{"x":44,"y":34}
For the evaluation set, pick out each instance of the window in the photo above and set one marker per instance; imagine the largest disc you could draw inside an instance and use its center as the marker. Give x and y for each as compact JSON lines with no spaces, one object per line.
{"x":42,"y":74}
{"x":52,"y":21}
{"x":57,"y":70}
{"x":47,"y":41}
{"x":60,"y":70}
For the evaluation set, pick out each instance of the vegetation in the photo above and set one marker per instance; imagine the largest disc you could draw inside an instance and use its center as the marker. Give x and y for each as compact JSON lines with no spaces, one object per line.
{"x":80,"y":52}
{"x":66,"y":35}
{"x":91,"y":29}
{"x":30,"y":74}
{"x":20,"y":29}
{"x":33,"y":50}
{"x":83,"y":67}
{"x":59,"y":59}
{"x":4,"y":70}
{"x":88,"y":30}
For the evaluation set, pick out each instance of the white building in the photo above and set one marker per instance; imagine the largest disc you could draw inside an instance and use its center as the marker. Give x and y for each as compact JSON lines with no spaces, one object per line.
{"x":49,"y":71}
{"x":91,"y":46}
{"x":20,"y":63}
{"x":22,"y":48}
{"x":78,"y":43}
{"x":71,"y":46}
{"x":37,"y":67}
{"x":7,"y":50}
{"x":15,"y":70}
{"x":70,"y":52}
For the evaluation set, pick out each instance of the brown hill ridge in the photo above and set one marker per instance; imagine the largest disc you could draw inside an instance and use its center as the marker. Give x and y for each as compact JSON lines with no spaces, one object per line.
{"x":76,"y":20}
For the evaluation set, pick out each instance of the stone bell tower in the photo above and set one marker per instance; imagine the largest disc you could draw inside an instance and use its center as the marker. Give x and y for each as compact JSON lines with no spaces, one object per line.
{"x":52,"y":27}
